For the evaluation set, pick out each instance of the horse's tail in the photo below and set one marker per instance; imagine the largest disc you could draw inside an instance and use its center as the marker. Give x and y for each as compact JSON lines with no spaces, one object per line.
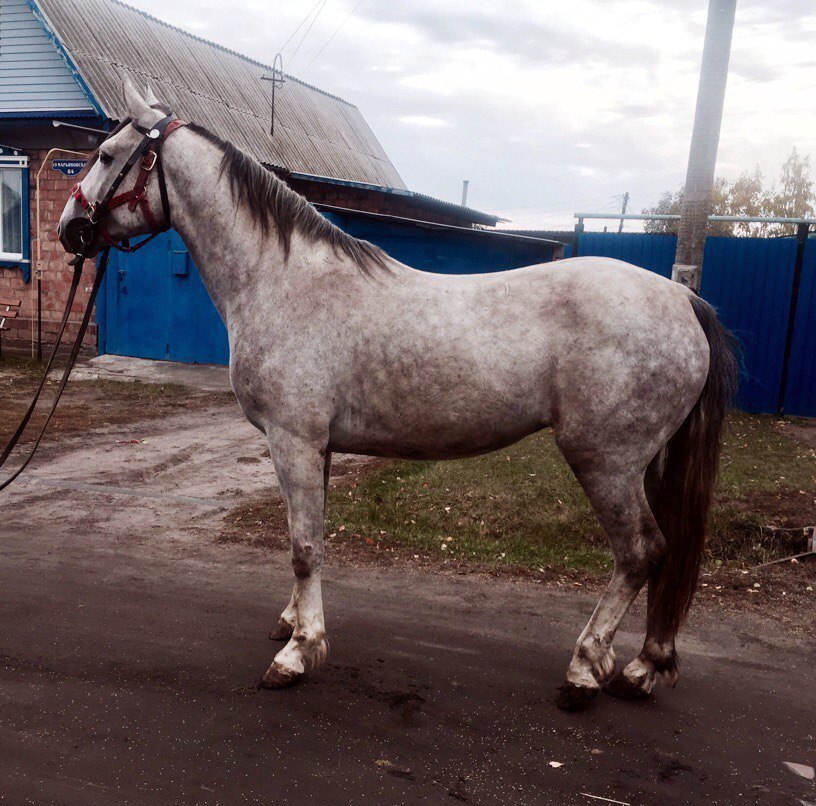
{"x":689,"y":471}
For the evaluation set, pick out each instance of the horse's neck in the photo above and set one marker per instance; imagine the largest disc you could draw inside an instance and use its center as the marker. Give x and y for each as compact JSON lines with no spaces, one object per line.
{"x":228,"y":250}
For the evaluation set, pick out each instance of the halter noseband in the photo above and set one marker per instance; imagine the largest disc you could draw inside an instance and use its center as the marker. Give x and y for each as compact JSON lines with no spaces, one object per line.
{"x":148,"y":154}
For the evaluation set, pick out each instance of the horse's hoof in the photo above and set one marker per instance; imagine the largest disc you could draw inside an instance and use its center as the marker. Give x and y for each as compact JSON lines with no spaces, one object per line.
{"x":621,"y":686}
{"x":574,"y":698}
{"x":282,"y":631}
{"x":278,"y":677}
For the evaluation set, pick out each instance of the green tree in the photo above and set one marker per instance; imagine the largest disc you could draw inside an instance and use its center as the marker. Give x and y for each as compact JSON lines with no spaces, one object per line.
{"x":671,"y":203}
{"x":791,"y":197}
{"x":794,"y":198}
{"x":747,"y":196}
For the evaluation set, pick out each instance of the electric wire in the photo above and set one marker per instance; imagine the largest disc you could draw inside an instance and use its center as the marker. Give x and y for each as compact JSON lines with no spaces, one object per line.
{"x":306,"y":33}
{"x":336,"y":31}
{"x":300,"y":25}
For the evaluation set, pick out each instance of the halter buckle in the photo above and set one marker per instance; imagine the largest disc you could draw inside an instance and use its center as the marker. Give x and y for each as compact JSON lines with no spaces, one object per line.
{"x":148,"y":155}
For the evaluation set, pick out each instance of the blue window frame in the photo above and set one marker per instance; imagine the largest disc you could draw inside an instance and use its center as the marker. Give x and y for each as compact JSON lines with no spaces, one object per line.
{"x":15,"y":241}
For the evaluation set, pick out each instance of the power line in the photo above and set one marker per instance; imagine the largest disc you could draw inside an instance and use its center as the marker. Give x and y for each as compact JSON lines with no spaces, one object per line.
{"x":300,"y":25}
{"x":337,"y":31}
{"x":303,"y":38}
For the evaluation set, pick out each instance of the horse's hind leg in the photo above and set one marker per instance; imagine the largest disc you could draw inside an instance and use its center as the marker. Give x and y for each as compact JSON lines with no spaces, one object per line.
{"x":620,"y":504}
{"x":302,"y":471}
{"x":658,"y":656}
{"x":283,"y":630}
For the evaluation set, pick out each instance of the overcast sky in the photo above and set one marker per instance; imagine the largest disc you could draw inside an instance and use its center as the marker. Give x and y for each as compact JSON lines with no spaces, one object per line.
{"x":547,"y":107}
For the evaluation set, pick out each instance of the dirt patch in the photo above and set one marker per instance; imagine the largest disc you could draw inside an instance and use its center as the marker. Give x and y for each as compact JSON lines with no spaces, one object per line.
{"x":87,"y":405}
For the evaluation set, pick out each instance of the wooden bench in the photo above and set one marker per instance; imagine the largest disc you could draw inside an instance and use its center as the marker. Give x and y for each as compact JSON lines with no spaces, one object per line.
{"x":9,"y":308}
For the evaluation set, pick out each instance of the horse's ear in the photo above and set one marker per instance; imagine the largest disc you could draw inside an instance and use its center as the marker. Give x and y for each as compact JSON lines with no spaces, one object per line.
{"x":150,"y":97}
{"x":135,"y":105}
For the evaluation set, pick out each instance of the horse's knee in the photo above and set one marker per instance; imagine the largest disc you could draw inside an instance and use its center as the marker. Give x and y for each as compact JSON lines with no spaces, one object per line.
{"x":307,"y":556}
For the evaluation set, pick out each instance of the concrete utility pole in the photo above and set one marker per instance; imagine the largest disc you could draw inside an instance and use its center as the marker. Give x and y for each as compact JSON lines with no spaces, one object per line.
{"x":705,"y":138}
{"x":623,"y":211}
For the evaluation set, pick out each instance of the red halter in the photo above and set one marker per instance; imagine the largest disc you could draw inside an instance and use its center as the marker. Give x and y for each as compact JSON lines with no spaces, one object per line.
{"x":137,"y":197}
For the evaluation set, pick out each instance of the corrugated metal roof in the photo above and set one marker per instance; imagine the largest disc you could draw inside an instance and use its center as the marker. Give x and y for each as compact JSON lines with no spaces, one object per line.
{"x":315,"y":132}
{"x":474,"y":216}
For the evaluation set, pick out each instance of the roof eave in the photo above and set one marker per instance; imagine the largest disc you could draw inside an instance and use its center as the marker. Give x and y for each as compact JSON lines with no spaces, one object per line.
{"x":476,"y":216}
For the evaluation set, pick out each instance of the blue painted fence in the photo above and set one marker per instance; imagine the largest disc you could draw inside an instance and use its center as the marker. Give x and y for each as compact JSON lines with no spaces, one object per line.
{"x":749,"y":281}
{"x":445,"y":251}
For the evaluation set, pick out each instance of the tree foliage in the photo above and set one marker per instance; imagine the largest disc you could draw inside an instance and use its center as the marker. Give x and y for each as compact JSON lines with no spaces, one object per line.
{"x":792,"y":196}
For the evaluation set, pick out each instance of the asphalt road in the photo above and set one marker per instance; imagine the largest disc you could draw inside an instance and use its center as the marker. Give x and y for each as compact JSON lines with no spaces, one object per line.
{"x":131,"y":643}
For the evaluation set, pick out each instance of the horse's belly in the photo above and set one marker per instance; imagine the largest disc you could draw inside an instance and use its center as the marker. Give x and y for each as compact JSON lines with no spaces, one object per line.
{"x":436,"y":434}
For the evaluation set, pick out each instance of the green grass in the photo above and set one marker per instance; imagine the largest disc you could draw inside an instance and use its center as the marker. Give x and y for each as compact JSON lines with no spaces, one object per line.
{"x":759,"y":455}
{"x":523,"y":507}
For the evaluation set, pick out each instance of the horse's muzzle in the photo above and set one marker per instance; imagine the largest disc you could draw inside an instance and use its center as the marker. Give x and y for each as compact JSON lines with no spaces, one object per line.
{"x":78,"y":234}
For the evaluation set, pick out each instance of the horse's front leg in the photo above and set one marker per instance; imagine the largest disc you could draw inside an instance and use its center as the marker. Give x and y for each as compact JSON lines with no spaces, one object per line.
{"x":283,"y":630}
{"x":302,"y":470}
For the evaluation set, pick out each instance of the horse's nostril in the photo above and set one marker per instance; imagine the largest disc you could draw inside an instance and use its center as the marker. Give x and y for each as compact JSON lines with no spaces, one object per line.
{"x":77,"y":234}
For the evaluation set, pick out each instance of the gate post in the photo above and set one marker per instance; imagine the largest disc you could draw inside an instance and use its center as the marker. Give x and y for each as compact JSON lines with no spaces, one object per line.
{"x":801,"y":240}
{"x":579,"y":228}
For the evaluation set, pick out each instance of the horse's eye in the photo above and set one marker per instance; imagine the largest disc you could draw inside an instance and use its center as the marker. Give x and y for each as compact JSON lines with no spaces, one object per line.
{"x":105,"y":159}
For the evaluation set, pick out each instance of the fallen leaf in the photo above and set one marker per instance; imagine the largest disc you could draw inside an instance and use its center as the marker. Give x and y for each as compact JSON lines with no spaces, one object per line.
{"x":801,"y":769}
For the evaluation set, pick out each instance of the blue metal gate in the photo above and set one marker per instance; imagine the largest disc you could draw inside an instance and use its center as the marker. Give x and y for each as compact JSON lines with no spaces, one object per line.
{"x":749,"y":281}
{"x":154,"y":305}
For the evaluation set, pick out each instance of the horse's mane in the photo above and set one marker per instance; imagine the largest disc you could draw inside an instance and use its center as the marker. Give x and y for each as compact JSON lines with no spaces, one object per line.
{"x":273,"y":204}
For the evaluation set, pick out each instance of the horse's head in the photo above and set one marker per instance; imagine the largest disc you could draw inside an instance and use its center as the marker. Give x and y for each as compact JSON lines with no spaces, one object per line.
{"x":92,"y":214}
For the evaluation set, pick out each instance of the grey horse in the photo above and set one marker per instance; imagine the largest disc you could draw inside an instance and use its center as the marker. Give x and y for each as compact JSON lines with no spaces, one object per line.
{"x":335,"y":346}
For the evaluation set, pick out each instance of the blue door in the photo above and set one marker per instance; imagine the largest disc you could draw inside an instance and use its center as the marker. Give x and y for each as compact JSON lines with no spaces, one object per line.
{"x":153,"y":304}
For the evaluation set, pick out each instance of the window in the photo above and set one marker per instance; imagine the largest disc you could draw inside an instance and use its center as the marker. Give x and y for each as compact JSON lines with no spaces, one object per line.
{"x":11,"y":220}
{"x":13,"y":205}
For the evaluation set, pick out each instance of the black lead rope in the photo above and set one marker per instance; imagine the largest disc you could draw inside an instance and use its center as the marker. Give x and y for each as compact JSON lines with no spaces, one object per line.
{"x":78,"y":264}
{"x":154,"y":135}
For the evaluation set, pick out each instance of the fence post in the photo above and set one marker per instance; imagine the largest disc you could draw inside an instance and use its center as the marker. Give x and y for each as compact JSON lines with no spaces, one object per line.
{"x":579,"y":228}
{"x":801,"y":240}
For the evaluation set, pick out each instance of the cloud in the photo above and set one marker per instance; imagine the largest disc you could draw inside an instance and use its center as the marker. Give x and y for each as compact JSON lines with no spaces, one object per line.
{"x":422,"y":120}
{"x":753,"y":68}
{"x":511,"y":32}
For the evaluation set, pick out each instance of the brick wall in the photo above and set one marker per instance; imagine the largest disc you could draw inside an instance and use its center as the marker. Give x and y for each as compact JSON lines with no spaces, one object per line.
{"x":56,"y":274}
